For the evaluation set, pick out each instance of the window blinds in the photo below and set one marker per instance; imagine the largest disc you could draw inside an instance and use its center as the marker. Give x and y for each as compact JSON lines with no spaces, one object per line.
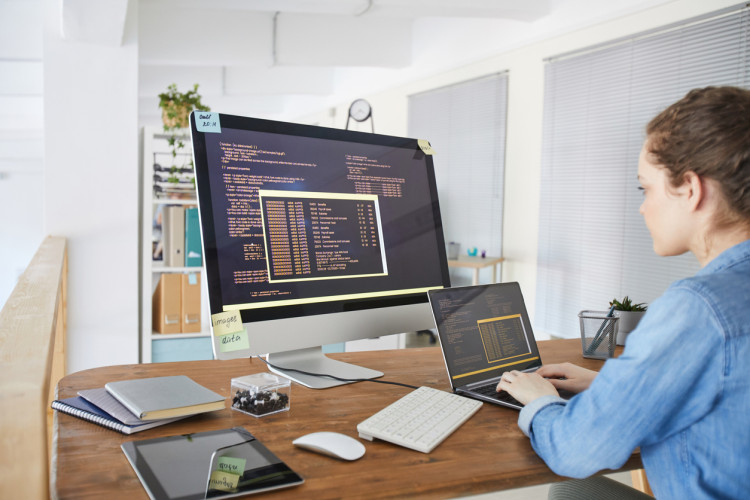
{"x":465,"y":124}
{"x":593,"y":243}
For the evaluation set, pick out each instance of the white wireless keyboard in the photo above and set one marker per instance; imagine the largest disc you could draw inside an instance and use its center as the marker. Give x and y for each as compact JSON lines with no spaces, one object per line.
{"x":421,"y":420}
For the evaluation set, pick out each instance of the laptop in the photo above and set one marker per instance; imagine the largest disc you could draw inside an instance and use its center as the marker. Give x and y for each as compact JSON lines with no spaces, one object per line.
{"x":484,"y":331}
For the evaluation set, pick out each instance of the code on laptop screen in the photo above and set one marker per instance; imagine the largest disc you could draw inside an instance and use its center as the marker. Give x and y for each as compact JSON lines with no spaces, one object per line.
{"x":484,"y":331}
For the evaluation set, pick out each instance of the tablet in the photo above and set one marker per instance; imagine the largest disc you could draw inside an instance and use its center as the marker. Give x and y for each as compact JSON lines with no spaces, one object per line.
{"x":214,"y":464}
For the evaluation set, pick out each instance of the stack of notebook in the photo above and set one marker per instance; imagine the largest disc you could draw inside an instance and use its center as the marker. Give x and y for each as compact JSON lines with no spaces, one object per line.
{"x":130,"y":406}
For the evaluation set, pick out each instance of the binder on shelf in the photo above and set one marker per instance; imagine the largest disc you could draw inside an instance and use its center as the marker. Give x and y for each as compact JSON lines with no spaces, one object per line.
{"x":193,"y":255}
{"x":173,"y":229}
{"x":190,"y":303}
{"x":165,"y":304}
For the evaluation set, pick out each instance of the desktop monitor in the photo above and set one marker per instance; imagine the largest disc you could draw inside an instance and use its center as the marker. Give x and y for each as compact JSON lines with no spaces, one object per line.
{"x":317,"y":236}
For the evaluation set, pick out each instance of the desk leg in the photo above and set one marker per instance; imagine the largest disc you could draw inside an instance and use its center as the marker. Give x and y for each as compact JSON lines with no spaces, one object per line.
{"x":640,"y":481}
{"x":494,"y":273}
{"x":475,"y":279}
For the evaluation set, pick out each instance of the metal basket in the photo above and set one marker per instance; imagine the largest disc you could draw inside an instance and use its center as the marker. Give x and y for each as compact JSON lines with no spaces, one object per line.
{"x":598,"y":334}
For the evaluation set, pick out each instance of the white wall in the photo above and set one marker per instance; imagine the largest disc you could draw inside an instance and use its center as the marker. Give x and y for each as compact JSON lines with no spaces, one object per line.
{"x":21,"y":139}
{"x":524,"y":136}
{"x":91,"y":186}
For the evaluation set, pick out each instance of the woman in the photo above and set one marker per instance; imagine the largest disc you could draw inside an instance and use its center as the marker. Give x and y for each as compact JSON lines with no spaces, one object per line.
{"x":681,"y":388}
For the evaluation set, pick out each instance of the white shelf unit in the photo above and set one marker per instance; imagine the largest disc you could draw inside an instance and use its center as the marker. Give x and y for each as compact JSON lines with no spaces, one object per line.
{"x":182,"y":346}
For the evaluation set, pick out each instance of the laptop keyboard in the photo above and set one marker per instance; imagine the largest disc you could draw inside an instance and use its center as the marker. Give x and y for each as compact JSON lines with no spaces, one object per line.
{"x":490,"y":391}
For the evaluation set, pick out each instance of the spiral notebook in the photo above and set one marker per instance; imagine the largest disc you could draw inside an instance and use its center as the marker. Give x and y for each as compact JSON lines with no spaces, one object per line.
{"x":79,"y":407}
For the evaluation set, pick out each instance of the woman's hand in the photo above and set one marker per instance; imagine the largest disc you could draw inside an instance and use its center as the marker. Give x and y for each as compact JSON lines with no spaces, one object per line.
{"x":525,"y":387}
{"x":568,"y":376}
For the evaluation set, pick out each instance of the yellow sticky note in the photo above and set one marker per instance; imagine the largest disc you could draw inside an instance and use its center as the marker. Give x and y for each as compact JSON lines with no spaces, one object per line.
{"x":223,"y":481}
{"x":231,"y":465}
{"x":425,"y":147}
{"x":226,"y":322}
{"x":234,"y":341}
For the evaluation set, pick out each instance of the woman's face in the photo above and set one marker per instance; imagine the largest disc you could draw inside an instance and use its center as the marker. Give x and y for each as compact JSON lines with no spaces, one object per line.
{"x":664,"y":209}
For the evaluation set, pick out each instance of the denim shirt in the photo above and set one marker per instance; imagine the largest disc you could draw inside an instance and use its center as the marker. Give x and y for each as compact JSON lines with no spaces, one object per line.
{"x":680,"y":391}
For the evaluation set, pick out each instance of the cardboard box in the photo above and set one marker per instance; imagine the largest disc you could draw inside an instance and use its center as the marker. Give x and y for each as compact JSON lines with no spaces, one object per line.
{"x":165,"y":304}
{"x":190,"y":303}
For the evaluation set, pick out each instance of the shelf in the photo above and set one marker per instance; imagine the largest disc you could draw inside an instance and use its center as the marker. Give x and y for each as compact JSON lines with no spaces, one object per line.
{"x":182,"y":346}
{"x":180,"y":133}
{"x":159,"y":268}
{"x":175,"y":201}
{"x":171,"y":336}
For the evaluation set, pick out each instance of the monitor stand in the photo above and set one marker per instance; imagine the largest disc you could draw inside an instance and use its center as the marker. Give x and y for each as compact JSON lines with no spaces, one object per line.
{"x":314,"y":361}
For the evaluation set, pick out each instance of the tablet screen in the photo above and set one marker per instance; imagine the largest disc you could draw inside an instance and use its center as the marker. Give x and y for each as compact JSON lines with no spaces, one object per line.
{"x":214,"y":464}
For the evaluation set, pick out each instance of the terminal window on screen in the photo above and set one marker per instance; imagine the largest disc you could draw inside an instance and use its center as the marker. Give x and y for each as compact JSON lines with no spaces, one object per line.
{"x":484,"y":334}
{"x":301,"y":218}
{"x":504,"y":338}
{"x":310,"y":236}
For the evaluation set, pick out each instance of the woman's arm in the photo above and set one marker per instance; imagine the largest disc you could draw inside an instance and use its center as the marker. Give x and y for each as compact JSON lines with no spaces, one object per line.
{"x":640,"y":398}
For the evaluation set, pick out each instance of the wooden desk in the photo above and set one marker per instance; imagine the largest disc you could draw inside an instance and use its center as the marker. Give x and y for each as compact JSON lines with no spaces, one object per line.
{"x":477,"y":263}
{"x":487,"y":453}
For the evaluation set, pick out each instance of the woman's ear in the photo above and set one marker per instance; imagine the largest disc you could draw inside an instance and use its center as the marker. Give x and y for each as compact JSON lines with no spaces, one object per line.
{"x":694,"y":190}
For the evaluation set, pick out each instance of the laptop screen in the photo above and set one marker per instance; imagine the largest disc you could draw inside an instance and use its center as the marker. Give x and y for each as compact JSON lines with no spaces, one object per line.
{"x":484,"y":331}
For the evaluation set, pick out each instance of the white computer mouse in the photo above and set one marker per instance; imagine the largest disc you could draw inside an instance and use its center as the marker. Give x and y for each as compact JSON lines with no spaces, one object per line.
{"x":332,"y":444}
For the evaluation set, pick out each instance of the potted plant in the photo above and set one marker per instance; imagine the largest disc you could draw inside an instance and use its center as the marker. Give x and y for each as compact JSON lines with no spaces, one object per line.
{"x":176,"y":106}
{"x":630,"y":314}
{"x":175,"y":110}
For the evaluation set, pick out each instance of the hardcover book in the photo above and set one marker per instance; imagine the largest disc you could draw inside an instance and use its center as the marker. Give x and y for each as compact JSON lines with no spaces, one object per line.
{"x":165,"y":397}
{"x":103,"y":400}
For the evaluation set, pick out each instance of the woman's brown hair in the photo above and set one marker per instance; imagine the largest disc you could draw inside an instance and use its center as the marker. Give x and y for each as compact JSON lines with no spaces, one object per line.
{"x":707,"y":132}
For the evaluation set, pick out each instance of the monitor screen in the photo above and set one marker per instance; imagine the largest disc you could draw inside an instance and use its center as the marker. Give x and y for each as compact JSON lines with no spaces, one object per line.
{"x":301,"y":222}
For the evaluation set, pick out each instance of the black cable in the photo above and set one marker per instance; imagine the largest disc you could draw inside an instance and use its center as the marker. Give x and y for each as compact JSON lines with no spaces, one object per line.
{"x":335,"y":377}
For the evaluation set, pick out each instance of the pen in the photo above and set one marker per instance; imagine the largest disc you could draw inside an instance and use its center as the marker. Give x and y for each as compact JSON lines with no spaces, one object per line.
{"x":604,"y":330}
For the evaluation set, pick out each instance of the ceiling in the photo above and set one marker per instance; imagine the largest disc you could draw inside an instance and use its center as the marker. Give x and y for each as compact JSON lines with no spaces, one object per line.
{"x":283,"y":58}
{"x":279,"y":59}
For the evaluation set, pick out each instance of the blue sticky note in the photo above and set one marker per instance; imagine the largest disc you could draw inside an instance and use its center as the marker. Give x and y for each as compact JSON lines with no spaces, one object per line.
{"x":207,"y":122}
{"x":192,"y":279}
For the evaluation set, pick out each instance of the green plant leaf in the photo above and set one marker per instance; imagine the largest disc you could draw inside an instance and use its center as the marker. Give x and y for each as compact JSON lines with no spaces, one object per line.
{"x":626,"y":304}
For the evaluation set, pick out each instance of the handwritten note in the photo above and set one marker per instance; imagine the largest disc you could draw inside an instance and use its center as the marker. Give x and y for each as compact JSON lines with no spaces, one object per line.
{"x":234,"y":341}
{"x":226,"y":322}
{"x":425,"y":147}
{"x":223,"y":481}
{"x":207,"y":122}
{"x":231,"y":465}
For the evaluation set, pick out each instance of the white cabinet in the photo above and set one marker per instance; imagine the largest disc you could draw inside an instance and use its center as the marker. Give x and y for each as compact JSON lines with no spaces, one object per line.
{"x":166,"y":181}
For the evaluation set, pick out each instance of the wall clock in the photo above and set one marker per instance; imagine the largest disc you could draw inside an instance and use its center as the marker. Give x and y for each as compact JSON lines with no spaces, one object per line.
{"x":360,"y":110}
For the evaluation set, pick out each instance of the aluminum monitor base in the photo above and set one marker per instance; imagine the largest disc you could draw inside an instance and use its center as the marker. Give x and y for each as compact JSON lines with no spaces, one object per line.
{"x":313,"y":360}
